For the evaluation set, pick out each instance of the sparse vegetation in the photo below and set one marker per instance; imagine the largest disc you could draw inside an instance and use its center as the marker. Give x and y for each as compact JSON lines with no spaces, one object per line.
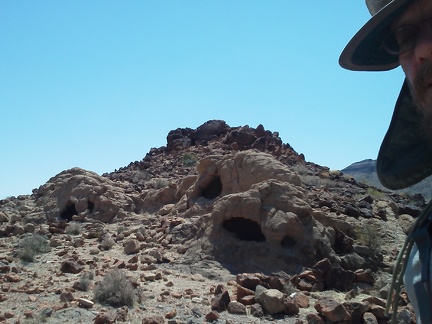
{"x":189,"y":160}
{"x":141,"y":175}
{"x":115,"y":290}
{"x":32,"y":245}
{"x":37,"y":318}
{"x":121,"y":229}
{"x":74,"y":228}
{"x":300,"y":169}
{"x":375,"y":193}
{"x":85,"y":280}
{"x":107,"y":242}
{"x":368,"y":236}
{"x":161,"y":183}
{"x":316,"y":181}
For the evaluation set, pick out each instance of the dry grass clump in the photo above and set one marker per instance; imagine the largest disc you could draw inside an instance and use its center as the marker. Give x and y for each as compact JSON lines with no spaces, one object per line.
{"x":74,"y":228}
{"x":85,"y":280}
{"x":32,"y":245}
{"x":115,"y":290}
{"x":107,"y":243}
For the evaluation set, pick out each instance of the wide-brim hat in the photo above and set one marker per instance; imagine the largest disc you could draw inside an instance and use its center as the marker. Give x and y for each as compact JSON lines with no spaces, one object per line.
{"x":365,"y":52}
{"x":405,"y":156}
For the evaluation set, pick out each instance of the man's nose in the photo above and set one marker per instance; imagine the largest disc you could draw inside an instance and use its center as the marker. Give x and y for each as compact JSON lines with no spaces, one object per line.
{"x":423,"y":47}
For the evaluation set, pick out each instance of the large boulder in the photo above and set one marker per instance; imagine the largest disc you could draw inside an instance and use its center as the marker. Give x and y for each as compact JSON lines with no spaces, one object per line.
{"x":249,"y":201}
{"x":80,"y":193}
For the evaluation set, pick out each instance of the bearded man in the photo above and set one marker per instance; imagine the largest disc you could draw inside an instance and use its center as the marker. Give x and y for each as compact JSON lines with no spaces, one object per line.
{"x":400,"y":33}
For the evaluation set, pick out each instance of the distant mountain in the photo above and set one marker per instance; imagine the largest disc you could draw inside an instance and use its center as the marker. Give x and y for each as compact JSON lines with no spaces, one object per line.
{"x":365,"y":172}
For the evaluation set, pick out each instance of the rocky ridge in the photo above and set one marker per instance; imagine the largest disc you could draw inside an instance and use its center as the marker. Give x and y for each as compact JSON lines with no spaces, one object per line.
{"x":222,"y":225}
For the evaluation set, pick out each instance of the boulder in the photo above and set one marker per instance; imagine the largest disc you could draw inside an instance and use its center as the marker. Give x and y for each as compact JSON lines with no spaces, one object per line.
{"x":77,"y":192}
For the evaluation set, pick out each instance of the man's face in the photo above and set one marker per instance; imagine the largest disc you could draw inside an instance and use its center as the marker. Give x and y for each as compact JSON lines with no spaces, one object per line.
{"x":417,"y":63}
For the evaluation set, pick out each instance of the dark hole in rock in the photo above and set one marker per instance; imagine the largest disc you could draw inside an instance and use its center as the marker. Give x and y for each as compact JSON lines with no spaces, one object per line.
{"x":69,"y":211}
{"x":90,"y":206}
{"x":288,"y":242}
{"x":245,"y":229}
{"x":213,"y":189}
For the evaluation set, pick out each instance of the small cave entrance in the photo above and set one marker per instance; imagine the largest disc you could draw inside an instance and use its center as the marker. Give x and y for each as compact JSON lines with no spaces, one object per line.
{"x":288,"y":242}
{"x":245,"y":229}
{"x":68,"y":212}
{"x":90,"y":206}
{"x":213,"y":188}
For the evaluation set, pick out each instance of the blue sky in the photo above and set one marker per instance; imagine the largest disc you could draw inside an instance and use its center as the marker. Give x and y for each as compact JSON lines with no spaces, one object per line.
{"x":96,"y":84}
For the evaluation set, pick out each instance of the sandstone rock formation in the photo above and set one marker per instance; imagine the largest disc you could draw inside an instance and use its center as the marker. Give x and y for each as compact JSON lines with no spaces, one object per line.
{"x":77,"y":192}
{"x":224,"y":224}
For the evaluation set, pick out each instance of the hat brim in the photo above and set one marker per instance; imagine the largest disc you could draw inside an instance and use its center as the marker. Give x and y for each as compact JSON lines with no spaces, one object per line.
{"x":405,"y":156}
{"x":364,"y":52}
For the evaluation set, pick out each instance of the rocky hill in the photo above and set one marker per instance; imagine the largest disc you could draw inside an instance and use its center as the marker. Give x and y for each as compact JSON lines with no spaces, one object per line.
{"x":365,"y":171}
{"x":222,"y":225}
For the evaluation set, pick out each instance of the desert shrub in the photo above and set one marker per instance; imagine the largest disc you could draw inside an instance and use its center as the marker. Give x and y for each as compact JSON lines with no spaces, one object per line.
{"x":115,"y":290}
{"x":141,"y":175}
{"x":300,"y":169}
{"x":86,"y":279}
{"x":121,"y":229}
{"x":74,"y":228}
{"x":369,"y":236}
{"x":189,"y":159}
{"x":107,"y":242}
{"x":37,"y":318}
{"x":316,"y":181}
{"x":32,"y":245}
{"x":161,"y":183}
{"x":374,"y":192}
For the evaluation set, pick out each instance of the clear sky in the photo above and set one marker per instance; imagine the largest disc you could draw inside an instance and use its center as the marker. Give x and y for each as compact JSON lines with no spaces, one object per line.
{"x":96,"y":84}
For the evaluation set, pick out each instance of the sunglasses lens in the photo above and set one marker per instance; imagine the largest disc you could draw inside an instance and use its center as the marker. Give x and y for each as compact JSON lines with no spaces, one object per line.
{"x":400,"y":40}
{"x":391,"y":44}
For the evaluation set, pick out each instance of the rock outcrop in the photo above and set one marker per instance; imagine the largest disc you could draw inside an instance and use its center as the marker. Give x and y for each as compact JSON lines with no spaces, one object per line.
{"x":222,"y":224}
{"x":81,"y":193}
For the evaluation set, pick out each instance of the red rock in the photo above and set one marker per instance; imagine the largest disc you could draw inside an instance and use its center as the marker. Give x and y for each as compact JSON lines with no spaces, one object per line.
{"x":104,"y":318}
{"x":290,"y":306}
{"x":301,"y":299}
{"x":308,"y":275}
{"x":332,"y":310}
{"x":134,"y":259}
{"x":304,"y":285}
{"x":248,"y":300}
{"x":242,"y":292}
{"x":28,"y":314}
{"x":220,"y":302}
{"x":171,"y":315}
{"x":364,"y":276}
{"x":235,"y":307}
{"x":153,"y":320}
{"x":212,"y":316}
{"x":12,"y":277}
{"x":66,"y":296}
{"x":248,"y":280}
{"x":70,"y":266}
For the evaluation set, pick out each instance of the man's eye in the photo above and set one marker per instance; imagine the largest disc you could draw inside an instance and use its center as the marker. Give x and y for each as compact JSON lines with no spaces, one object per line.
{"x":405,"y":37}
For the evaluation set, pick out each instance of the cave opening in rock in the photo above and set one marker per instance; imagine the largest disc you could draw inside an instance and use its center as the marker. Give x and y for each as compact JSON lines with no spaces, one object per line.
{"x":68,"y":212}
{"x":288,"y":242}
{"x":90,"y":206}
{"x":213,"y":188}
{"x":245,"y":229}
